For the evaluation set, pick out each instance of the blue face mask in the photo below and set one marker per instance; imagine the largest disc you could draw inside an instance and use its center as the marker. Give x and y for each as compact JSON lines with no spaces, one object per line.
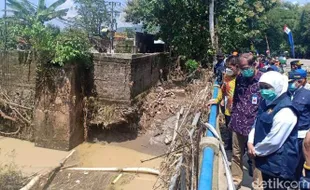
{"x":292,"y":87}
{"x":248,"y":73}
{"x":268,"y":94}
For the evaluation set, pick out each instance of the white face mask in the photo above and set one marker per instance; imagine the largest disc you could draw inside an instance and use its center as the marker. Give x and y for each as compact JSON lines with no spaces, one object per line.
{"x":229,"y":72}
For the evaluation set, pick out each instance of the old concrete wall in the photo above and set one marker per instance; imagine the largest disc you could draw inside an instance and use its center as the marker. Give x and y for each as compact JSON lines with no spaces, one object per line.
{"x":121,"y":77}
{"x":18,"y":77}
{"x":118,"y":80}
{"x":17,"y":81}
{"x":112,"y":77}
{"x":59,"y":108}
{"x":145,"y":72}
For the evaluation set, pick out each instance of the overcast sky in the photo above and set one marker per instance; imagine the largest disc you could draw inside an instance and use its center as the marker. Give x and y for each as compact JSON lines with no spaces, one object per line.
{"x":121,"y":21}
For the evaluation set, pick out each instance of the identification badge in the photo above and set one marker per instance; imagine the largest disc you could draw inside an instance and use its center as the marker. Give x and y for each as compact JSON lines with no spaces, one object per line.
{"x":254,"y":99}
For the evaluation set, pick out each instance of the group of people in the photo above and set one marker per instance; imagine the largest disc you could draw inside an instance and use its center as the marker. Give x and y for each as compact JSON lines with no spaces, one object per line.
{"x":268,"y":114}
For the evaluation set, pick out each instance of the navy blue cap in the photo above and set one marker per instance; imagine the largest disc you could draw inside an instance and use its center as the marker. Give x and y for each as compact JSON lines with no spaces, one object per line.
{"x":273,"y":68}
{"x":297,"y":74}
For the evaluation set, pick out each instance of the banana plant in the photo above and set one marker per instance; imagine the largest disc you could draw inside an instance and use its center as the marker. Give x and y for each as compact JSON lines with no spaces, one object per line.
{"x":28,"y":13}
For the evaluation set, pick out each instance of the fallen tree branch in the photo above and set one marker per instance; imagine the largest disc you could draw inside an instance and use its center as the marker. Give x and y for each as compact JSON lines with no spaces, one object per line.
{"x":31,"y":183}
{"x":134,"y":170}
{"x":178,"y":149}
{"x":11,"y":133}
{"x":21,"y":116}
{"x":15,"y":105}
{"x":4,"y":116}
{"x":117,"y":178}
{"x":173,"y":181}
{"x":176,"y":127}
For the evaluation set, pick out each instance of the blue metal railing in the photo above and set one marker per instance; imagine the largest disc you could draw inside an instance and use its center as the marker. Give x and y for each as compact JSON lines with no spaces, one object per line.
{"x":206,"y":169}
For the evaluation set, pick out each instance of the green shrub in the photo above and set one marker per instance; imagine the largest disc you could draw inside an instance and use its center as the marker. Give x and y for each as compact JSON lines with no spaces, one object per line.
{"x":70,"y":45}
{"x":191,"y":65}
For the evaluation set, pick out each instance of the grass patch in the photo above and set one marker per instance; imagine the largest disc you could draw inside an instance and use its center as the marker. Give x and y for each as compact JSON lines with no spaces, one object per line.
{"x":11,"y":178}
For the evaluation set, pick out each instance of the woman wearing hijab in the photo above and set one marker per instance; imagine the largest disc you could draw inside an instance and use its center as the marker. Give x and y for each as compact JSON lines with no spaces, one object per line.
{"x":273,"y":140}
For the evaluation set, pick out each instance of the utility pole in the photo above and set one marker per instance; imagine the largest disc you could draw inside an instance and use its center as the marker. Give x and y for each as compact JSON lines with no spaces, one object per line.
{"x":113,"y":14}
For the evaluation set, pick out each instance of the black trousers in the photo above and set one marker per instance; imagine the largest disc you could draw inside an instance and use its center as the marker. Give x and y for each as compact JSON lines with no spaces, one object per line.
{"x":275,"y":183}
{"x":229,"y":140}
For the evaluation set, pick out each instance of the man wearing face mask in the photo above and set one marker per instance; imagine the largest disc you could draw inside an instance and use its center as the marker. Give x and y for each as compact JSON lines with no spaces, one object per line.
{"x":227,"y":90}
{"x":245,"y":106}
{"x":273,"y":139}
{"x":300,"y":98}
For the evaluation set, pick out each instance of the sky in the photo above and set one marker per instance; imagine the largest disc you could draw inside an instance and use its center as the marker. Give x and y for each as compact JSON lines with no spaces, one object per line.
{"x":71,"y":13}
{"x":120,"y":20}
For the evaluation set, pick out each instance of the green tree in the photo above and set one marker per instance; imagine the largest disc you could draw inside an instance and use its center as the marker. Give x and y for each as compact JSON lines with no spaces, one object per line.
{"x":28,"y":13}
{"x":273,"y":23}
{"x":92,"y":15}
{"x":303,"y":42}
{"x":185,"y":24}
{"x":239,"y":22}
{"x":182,"y":24}
{"x":10,"y":36}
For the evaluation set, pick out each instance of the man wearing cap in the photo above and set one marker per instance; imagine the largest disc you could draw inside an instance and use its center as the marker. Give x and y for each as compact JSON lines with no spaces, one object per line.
{"x":296,"y":65}
{"x":301,"y":101}
{"x":299,"y":64}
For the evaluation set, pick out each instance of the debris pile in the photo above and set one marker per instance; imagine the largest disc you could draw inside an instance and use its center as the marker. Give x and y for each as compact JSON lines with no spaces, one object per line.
{"x":170,"y":112}
{"x":14,"y":117}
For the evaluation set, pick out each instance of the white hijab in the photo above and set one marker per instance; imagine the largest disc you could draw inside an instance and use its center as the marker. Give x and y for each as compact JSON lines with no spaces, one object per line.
{"x":278,"y":81}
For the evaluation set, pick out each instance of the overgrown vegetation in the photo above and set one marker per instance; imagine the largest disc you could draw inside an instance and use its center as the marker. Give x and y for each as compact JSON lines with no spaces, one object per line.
{"x":70,"y":45}
{"x":27,"y":30}
{"x":191,"y":65}
{"x":11,"y":178}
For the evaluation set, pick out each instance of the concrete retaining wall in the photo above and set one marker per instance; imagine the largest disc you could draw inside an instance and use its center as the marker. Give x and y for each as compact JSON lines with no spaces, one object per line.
{"x":57,"y":93}
{"x":121,"y":77}
{"x":58,"y":112}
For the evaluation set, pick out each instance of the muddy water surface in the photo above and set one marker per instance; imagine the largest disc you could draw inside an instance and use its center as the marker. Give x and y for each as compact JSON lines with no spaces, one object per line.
{"x":24,"y":156}
{"x":113,"y":155}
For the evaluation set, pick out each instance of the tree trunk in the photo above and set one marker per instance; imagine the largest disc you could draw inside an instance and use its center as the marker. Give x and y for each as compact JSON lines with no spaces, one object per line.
{"x":212,"y":29}
{"x":216,"y":37}
{"x":211,"y":23}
